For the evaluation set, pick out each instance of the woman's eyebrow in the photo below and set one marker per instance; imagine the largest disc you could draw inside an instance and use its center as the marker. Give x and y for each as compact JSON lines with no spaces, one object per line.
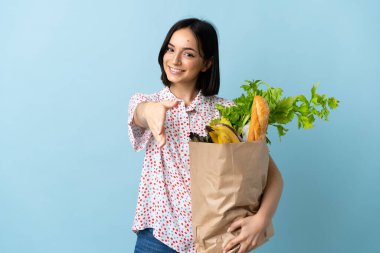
{"x":185,"y":48}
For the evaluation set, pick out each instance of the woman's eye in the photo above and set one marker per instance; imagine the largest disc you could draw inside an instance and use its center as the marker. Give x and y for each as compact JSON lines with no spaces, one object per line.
{"x":189,"y":55}
{"x":169,"y":49}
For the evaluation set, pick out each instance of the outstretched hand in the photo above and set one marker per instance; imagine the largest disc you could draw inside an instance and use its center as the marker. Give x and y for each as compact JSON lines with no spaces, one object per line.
{"x":251,"y":235}
{"x":155,"y":114}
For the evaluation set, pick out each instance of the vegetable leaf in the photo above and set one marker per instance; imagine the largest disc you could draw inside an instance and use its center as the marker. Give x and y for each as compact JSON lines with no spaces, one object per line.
{"x":282,"y":109}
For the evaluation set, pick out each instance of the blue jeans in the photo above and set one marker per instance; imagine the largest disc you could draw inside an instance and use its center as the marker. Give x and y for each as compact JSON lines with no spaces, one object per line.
{"x":147,"y":243}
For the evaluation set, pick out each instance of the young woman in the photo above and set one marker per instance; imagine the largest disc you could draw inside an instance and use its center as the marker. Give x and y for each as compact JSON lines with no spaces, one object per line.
{"x":161,"y":123}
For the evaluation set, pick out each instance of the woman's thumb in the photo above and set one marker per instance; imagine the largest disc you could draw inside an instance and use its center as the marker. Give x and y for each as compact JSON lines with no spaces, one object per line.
{"x":169,"y":104}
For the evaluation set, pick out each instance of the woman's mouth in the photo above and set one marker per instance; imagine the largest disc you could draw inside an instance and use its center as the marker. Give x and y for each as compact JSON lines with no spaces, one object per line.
{"x":175,"y":70}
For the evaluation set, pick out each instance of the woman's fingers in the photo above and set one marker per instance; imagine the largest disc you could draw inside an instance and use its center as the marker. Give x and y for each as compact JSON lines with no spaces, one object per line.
{"x":235,"y":225}
{"x":160,"y":138}
{"x":243,"y":248}
{"x":251,"y":235}
{"x":159,"y":133}
{"x":257,"y":241}
{"x":231,"y":244}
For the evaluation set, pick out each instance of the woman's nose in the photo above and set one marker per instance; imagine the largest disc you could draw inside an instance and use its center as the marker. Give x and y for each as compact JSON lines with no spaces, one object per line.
{"x":176,"y":59}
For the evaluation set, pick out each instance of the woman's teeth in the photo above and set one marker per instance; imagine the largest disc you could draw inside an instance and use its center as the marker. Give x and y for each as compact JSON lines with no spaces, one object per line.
{"x":174,"y":70}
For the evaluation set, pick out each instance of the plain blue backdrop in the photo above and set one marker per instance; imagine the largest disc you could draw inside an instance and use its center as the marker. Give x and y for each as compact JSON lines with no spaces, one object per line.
{"x":68,"y":175}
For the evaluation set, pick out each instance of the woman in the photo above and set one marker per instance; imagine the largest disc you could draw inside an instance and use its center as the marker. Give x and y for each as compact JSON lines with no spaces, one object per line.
{"x":189,"y":62}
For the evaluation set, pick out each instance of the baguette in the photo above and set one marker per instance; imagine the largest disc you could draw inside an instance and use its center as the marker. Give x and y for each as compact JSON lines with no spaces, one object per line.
{"x":259,"y":119}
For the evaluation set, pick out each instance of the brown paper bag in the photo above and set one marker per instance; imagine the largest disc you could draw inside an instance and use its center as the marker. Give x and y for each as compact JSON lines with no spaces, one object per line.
{"x":227,"y":182}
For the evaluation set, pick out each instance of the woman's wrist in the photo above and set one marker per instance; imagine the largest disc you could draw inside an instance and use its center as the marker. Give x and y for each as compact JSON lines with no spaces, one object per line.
{"x":139,"y":117}
{"x":265,"y":217}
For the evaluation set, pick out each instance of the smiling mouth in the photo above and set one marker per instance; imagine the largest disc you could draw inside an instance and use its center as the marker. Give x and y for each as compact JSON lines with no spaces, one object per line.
{"x":175,"y":70}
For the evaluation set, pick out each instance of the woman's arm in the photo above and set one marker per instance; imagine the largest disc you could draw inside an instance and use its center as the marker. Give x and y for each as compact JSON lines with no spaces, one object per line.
{"x":272,"y":192}
{"x":253,"y":227}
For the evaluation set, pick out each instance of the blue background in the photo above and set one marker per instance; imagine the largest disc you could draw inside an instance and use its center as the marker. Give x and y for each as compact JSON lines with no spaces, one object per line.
{"x":68,"y":174}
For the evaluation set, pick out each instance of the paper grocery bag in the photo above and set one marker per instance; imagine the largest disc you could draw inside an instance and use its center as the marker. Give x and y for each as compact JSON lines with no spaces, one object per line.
{"x":227,"y":182}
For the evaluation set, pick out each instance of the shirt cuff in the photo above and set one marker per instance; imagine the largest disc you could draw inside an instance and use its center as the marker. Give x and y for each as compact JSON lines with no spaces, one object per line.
{"x":138,"y":136}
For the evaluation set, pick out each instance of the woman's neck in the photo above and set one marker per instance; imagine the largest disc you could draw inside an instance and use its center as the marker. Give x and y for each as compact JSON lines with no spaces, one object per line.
{"x":186,"y":93}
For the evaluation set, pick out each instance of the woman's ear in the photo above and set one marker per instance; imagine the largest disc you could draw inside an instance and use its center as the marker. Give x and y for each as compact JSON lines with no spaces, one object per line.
{"x":207,"y":64}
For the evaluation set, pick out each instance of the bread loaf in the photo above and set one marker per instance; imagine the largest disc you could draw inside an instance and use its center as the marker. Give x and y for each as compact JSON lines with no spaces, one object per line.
{"x":259,"y":119}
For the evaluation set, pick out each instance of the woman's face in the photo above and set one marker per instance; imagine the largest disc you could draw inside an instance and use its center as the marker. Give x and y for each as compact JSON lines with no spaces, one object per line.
{"x":182,"y":60}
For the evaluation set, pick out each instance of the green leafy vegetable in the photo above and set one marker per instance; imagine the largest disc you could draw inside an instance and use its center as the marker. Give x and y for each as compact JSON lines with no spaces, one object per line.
{"x":282,"y":109}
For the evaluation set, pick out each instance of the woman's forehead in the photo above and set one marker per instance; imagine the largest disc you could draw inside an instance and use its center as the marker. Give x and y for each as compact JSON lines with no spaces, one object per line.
{"x":184,"y":38}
